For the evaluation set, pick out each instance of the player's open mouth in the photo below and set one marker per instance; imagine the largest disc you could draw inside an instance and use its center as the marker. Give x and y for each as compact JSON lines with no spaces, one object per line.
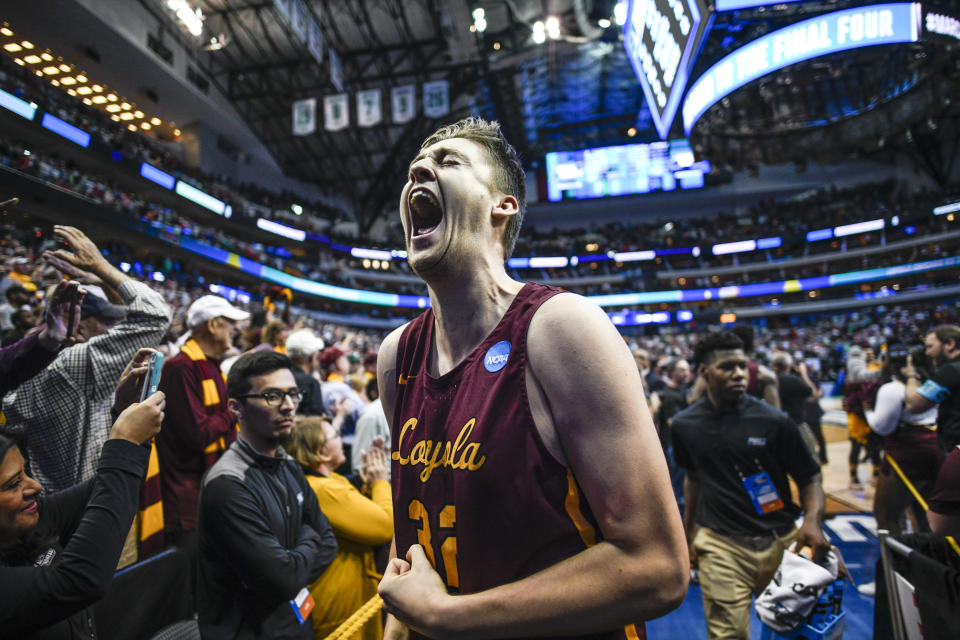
{"x":425,"y":212}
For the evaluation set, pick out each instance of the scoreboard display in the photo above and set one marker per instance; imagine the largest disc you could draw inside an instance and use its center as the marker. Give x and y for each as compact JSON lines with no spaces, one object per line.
{"x":623,"y":170}
{"x":662,"y":38}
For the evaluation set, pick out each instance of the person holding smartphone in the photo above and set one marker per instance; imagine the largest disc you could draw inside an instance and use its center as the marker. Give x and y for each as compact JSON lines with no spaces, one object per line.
{"x":58,"y":552}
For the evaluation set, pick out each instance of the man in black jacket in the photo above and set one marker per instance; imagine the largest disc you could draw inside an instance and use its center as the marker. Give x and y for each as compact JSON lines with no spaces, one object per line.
{"x":263,"y":538}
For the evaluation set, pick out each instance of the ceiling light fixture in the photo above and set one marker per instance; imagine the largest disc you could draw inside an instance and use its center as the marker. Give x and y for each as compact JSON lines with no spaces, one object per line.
{"x":19,"y":61}
{"x":539,"y":32}
{"x":51,"y":70}
{"x":191,"y":19}
{"x":553,"y":27}
{"x":46,"y":56}
{"x":84,"y":91}
{"x":479,"y":19}
{"x":12,"y":47}
{"x":26,"y":44}
{"x":68,"y":80}
{"x":620,"y":13}
{"x":155,"y":121}
{"x":31,"y":59}
{"x":6,"y":31}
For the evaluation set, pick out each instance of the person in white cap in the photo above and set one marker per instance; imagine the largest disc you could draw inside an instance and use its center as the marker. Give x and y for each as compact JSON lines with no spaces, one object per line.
{"x":198,"y":426}
{"x":302,"y":346}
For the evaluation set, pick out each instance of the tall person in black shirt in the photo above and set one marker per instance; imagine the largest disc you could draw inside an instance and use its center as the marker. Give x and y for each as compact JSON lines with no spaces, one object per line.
{"x":739,"y":516}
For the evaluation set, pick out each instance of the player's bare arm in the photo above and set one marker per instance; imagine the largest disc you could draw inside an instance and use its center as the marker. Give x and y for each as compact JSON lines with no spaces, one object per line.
{"x":393,"y":629}
{"x":585,"y":393}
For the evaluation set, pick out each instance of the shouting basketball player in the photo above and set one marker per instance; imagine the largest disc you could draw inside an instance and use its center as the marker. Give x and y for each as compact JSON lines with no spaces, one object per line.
{"x":531,"y":496}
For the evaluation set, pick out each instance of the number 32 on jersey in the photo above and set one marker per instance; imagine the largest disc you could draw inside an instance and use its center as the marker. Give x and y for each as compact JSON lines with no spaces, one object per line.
{"x":442,"y":534}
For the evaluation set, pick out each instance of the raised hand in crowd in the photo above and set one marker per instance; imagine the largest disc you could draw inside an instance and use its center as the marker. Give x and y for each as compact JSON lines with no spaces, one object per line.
{"x":88,"y":264}
{"x":140,"y":421}
{"x":131,"y":380}
{"x":58,"y":328}
{"x":374,"y":462}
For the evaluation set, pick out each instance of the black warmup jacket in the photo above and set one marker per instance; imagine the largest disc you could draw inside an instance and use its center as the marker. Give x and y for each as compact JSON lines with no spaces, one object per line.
{"x":262,"y":539}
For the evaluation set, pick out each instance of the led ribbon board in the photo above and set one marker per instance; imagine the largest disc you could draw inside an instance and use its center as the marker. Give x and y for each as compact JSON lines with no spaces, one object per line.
{"x":618,"y":299}
{"x":732,"y":5}
{"x":892,"y":23}
{"x":662,"y":38}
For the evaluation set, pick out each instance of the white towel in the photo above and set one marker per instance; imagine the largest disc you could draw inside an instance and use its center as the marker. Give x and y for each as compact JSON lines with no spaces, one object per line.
{"x":789,"y":598}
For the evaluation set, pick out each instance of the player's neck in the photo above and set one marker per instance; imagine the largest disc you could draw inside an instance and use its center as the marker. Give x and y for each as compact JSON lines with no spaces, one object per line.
{"x":466,"y":310}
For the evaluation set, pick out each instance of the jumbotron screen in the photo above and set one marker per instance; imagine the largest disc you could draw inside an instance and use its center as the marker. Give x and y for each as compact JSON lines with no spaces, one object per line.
{"x":623,"y":170}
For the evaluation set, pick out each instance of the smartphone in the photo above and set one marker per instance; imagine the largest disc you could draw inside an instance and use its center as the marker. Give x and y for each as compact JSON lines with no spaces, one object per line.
{"x":151,"y":381}
{"x":74,"y":295}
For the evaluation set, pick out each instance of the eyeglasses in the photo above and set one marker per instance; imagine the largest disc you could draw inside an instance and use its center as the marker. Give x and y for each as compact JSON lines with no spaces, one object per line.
{"x":274,"y":397}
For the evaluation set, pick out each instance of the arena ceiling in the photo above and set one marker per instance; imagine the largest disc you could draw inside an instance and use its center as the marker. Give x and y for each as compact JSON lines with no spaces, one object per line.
{"x":572,"y":92}
{"x":576,"y":91}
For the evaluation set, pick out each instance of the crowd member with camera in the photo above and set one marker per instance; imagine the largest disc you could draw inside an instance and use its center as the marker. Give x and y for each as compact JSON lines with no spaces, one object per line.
{"x":942,"y":346}
{"x":64,"y":411}
{"x":909,"y":439}
{"x":58,"y":552}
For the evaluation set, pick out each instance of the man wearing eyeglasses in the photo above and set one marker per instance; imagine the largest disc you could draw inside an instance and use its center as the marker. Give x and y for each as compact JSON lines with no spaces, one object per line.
{"x":262,"y":536}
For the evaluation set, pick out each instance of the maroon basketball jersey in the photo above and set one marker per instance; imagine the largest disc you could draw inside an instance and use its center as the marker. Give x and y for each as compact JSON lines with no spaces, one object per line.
{"x":472,"y":480}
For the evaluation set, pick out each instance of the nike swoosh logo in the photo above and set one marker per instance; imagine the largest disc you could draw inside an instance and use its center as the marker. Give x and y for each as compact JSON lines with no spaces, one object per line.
{"x":403,"y":379}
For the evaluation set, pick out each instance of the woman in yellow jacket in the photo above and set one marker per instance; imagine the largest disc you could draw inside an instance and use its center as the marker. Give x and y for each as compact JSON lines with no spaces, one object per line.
{"x":360,"y":521}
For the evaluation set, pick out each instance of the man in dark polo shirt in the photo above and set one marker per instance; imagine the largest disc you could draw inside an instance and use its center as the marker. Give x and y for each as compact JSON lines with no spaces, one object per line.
{"x":942,"y":346}
{"x":739,"y":517}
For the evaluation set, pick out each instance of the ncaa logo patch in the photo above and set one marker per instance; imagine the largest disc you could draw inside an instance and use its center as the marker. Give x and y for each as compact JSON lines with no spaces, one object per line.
{"x":497,"y":356}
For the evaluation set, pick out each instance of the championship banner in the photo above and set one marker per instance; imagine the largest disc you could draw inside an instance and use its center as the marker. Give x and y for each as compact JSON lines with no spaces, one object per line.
{"x":299,"y":19}
{"x":336,"y":69}
{"x":368,"y":108}
{"x":436,"y":98}
{"x":304,"y":117}
{"x":283,"y":8}
{"x":402,"y":103}
{"x":315,"y":41}
{"x":336,"y":112}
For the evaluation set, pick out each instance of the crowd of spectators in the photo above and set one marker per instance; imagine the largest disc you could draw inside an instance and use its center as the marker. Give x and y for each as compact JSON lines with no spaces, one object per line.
{"x":66,"y":413}
{"x":790,"y":219}
{"x":319,"y":263}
